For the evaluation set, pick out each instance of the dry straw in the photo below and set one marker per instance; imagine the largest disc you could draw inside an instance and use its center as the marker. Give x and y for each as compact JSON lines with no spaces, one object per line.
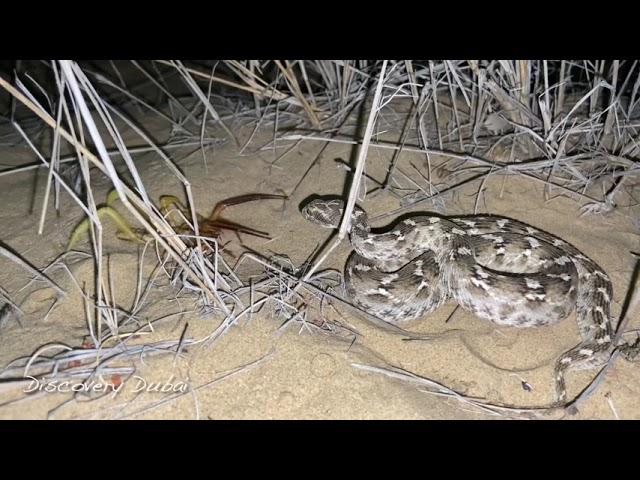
{"x":569,"y":125}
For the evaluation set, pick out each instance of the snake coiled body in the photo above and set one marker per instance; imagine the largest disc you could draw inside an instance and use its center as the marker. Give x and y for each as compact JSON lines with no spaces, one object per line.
{"x":500,"y":269}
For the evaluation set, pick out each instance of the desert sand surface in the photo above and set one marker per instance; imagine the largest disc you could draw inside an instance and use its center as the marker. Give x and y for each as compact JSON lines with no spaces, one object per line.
{"x":262,"y":369}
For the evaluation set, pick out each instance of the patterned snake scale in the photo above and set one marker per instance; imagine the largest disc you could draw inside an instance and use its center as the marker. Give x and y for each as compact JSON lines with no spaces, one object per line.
{"x":498,"y":268}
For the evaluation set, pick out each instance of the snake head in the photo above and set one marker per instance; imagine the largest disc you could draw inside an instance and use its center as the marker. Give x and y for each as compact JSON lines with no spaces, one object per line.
{"x":326,"y":213}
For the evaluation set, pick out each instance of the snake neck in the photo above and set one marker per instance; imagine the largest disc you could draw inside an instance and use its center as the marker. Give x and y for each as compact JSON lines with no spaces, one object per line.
{"x":360,"y":234}
{"x":329,"y":213}
{"x":359,"y":228}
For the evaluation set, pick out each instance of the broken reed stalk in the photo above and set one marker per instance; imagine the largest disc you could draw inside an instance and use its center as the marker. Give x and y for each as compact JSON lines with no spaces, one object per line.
{"x":111,"y":153}
{"x":34,"y":271}
{"x":294,"y":86}
{"x":262,"y":92}
{"x":355,"y":181}
{"x":494,"y":167}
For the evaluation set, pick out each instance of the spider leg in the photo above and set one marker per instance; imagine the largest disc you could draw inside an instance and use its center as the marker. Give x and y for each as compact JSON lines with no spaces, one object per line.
{"x":168,"y":206}
{"x":220,"y":206}
{"x":222,"y":224}
{"x":125,"y":232}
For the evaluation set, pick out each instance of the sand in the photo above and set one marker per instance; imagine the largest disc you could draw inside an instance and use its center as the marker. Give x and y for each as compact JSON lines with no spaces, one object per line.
{"x":257,"y":370}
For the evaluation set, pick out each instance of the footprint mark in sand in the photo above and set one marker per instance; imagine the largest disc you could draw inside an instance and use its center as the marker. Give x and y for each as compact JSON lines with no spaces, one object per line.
{"x":323,"y":365}
{"x":286,"y":399}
